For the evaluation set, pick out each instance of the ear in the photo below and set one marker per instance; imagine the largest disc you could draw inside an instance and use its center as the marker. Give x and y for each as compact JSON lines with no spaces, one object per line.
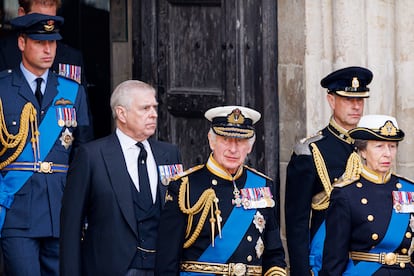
{"x":121,"y":113}
{"x":331,"y":100}
{"x":211,"y":141}
{"x":20,"y":11}
{"x":21,"y":43}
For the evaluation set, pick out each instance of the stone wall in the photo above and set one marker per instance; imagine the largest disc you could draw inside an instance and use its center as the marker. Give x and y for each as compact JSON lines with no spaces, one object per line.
{"x":319,"y":36}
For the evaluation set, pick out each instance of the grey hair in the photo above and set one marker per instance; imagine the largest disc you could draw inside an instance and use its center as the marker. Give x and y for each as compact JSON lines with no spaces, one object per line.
{"x":214,"y":135}
{"x":124,"y":92}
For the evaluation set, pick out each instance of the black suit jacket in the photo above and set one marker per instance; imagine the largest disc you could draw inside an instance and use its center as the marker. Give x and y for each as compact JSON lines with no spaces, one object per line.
{"x":98,"y":188}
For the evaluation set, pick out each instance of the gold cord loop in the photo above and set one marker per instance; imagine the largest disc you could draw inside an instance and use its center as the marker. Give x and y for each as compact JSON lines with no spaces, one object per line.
{"x":28,"y":118}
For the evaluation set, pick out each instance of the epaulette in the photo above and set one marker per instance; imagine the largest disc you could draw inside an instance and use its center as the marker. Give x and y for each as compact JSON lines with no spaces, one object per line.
{"x":405,"y":178}
{"x":343,"y":182}
{"x":187,"y":172}
{"x":257,"y":172}
{"x":302,"y":148}
{"x":5,"y":73}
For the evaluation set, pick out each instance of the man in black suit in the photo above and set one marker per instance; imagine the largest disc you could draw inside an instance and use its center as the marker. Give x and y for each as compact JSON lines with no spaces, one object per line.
{"x":68,"y":61}
{"x":105,"y":189}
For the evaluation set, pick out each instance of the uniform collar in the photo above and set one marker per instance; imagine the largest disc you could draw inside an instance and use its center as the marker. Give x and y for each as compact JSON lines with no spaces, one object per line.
{"x":375,"y":177}
{"x":339,"y":131}
{"x":216,"y":169}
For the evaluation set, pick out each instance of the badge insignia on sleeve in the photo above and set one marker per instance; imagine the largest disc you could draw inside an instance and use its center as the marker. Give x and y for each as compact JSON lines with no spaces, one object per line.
{"x":167,"y":172}
{"x":66,"y":138}
{"x":403,"y":202}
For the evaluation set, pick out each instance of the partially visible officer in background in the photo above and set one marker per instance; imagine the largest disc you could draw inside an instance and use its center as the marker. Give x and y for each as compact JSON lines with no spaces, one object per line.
{"x":68,"y":61}
{"x":220,"y":218}
{"x":315,"y":163}
{"x":44,"y":117}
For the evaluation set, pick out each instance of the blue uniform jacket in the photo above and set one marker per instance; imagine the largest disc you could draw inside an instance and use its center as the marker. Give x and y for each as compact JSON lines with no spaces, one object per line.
{"x":36,"y":207}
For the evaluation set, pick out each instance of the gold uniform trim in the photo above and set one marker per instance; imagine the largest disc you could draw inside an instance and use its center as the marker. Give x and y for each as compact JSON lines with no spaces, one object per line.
{"x":384,"y":258}
{"x":276,"y":271}
{"x":231,"y":269}
{"x":321,"y":200}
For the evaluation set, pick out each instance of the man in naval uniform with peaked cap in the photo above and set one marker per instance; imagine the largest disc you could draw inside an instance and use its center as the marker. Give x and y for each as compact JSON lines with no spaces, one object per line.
{"x":219,"y":218}
{"x":315,"y":163}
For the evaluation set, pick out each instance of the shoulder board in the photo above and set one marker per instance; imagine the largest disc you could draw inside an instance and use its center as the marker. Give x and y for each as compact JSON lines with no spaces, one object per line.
{"x":405,"y":178}
{"x":187,"y":172}
{"x":342,"y":182}
{"x":257,"y":172}
{"x":302,"y":148}
{"x":5,"y":73}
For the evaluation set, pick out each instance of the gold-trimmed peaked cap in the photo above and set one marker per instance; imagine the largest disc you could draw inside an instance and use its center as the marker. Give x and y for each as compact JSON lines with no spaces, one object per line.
{"x":349,"y":82}
{"x":38,"y":26}
{"x":378,"y":128}
{"x":233,"y":121}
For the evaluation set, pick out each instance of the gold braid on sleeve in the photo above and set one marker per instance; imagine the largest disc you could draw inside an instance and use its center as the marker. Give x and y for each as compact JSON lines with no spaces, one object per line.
{"x":321,"y":200}
{"x":208,"y":202}
{"x":276,"y":271}
{"x":9,"y":141}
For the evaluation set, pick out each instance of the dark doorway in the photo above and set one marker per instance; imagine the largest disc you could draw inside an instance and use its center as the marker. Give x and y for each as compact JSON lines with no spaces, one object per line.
{"x":87,"y":28}
{"x":205,"y":53}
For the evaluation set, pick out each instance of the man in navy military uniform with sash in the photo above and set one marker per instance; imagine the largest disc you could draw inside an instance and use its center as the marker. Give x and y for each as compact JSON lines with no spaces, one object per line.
{"x":43,"y":118}
{"x":219,"y":218}
{"x":315,"y":163}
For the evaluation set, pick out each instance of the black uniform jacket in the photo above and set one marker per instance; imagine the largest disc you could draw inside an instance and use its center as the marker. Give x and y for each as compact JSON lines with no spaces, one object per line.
{"x":250,"y":250}
{"x":303,"y":183}
{"x":357,"y":220}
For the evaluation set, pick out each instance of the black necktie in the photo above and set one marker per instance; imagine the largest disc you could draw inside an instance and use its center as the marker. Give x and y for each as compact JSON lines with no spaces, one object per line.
{"x":38,"y":92}
{"x":144,"y":184}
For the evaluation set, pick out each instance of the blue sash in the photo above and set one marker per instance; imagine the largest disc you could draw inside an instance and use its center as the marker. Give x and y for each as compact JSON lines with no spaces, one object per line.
{"x":392,"y":239}
{"x":239,"y":219}
{"x":49,"y":132}
{"x":316,"y":249}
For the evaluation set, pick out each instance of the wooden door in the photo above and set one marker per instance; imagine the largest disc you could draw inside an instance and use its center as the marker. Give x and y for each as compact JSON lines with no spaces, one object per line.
{"x":205,"y":53}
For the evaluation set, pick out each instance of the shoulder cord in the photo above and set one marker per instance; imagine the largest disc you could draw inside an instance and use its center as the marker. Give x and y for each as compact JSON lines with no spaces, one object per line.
{"x":324,"y":177}
{"x":9,"y":141}
{"x":204,"y":204}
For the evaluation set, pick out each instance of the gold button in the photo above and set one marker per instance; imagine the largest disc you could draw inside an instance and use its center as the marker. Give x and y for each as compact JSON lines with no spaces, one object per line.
{"x":402,"y":265}
{"x":249,"y":238}
{"x":398,"y":185}
{"x":404,"y":250}
{"x":364,"y":201}
{"x":335,"y":179}
{"x":370,"y":217}
{"x":359,"y":185}
{"x":214,"y":182}
{"x":249,"y":258}
{"x":374,"y":236}
{"x":408,"y":235}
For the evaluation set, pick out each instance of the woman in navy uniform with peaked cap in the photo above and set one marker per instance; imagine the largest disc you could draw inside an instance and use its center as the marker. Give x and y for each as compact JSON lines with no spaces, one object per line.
{"x":219,"y":218}
{"x":370,"y":220}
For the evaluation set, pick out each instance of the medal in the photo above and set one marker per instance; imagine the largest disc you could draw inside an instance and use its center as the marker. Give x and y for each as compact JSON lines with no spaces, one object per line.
{"x":61,"y":123}
{"x":66,"y":138}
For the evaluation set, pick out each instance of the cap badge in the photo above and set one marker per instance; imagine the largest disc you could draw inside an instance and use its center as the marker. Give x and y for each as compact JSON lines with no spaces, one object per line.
{"x":355,"y":82}
{"x":50,"y":26}
{"x":235,"y":117}
{"x":388,"y":129}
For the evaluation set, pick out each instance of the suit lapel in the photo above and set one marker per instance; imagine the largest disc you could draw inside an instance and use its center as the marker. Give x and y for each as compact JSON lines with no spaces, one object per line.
{"x":160,"y":156}
{"x":120,"y":179}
